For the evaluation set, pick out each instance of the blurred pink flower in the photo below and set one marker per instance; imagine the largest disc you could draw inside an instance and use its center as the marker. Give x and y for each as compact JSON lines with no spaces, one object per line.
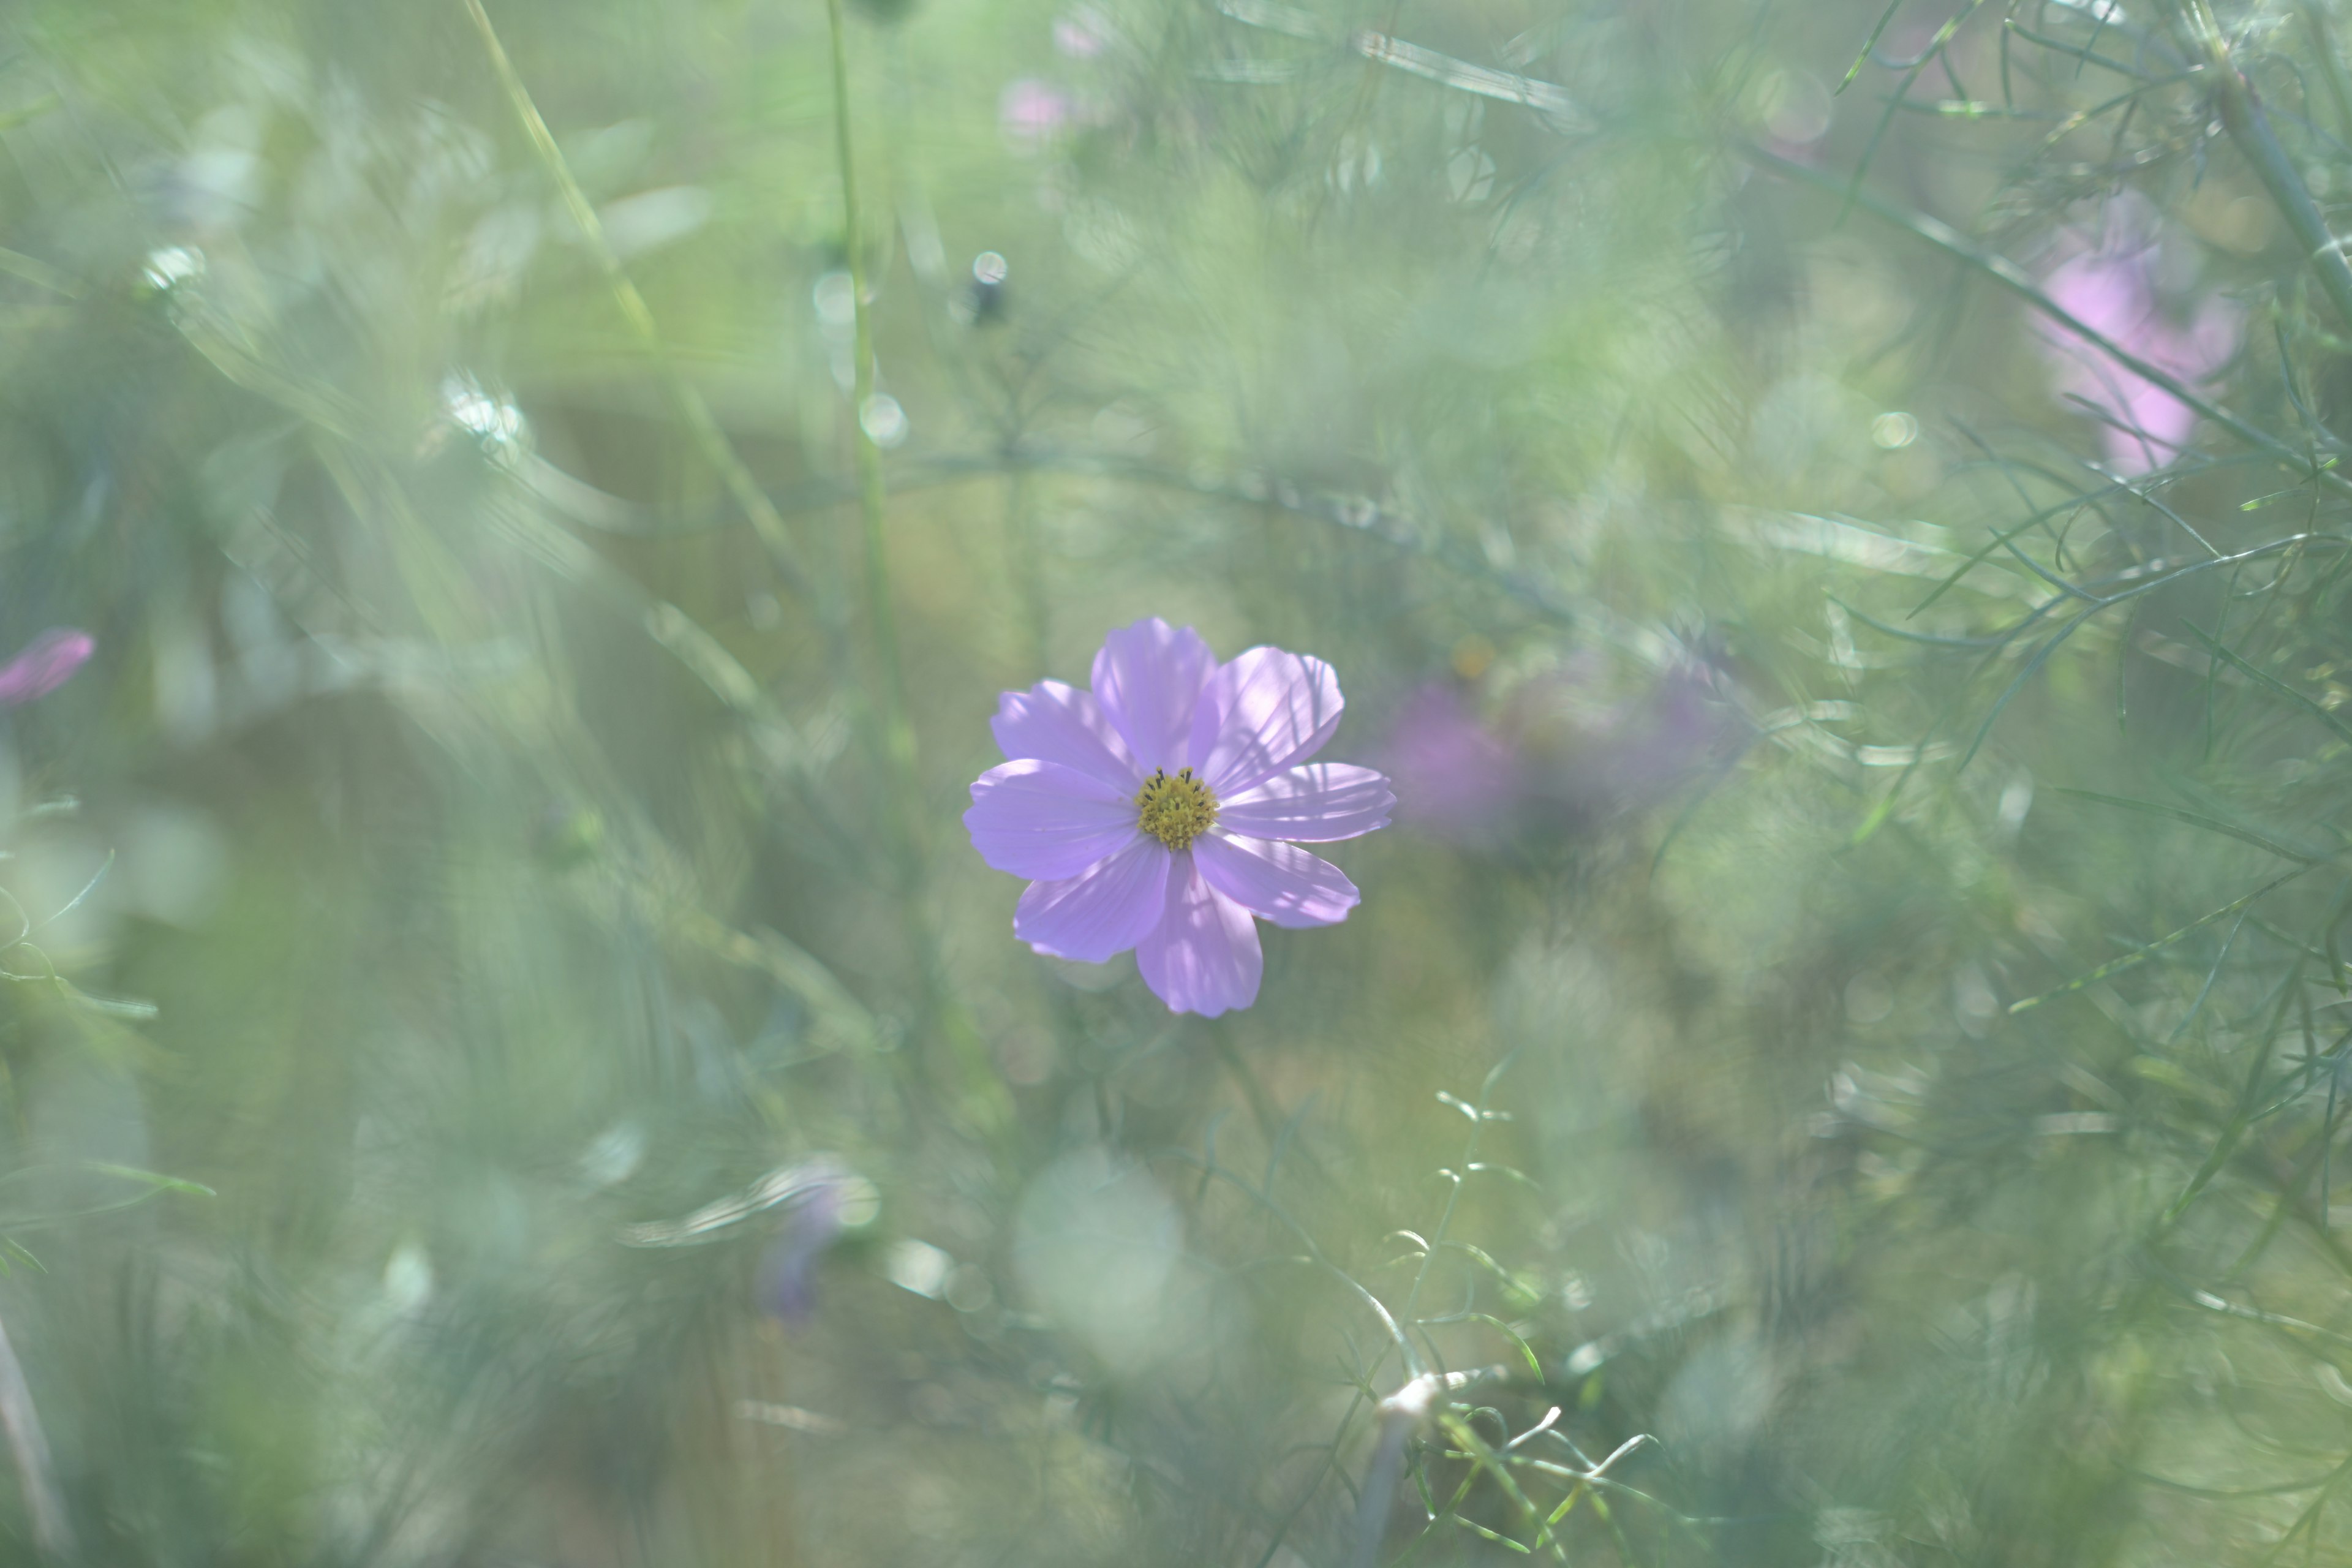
{"x":1162,"y":810}
{"x":2112,"y":288}
{"x":1032,"y":111}
{"x":48,"y":662}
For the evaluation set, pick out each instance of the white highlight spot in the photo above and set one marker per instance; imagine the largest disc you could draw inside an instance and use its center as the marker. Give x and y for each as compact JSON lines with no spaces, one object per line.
{"x":1892,"y":432}
{"x":917,"y":1266}
{"x":884,"y":422}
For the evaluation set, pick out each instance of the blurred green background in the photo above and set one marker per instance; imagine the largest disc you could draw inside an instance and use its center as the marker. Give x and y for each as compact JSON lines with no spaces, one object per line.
{"x":1851,"y":1006}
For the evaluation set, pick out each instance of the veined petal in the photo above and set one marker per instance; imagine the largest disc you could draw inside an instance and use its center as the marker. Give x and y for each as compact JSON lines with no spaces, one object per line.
{"x":1059,"y":724}
{"x":1147,"y":679}
{"x":1315,"y":804}
{"x":1264,"y":711}
{"x":1203,"y":956}
{"x":1099,"y":913}
{"x":1280,"y":881}
{"x":1044,"y":820}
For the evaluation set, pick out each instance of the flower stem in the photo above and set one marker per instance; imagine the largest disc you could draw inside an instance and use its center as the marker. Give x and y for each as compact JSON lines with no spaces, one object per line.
{"x":897,"y":736}
{"x":702,"y":424}
{"x":984,"y":1102}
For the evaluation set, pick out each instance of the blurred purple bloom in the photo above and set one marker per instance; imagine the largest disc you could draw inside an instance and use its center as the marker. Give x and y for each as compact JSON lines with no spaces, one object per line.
{"x":46,"y":663}
{"x":1556,"y":757}
{"x":2112,"y":288}
{"x":1452,"y":776}
{"x":1153,"y":812}
{"x":1032,"y":111}
{"x":814,"y":1221}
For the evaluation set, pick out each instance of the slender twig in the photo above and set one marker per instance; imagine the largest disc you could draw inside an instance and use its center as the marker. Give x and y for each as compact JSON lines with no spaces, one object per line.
{"x":701,"y":422}
{"x":873,"y":500}
{"x":2017,"y":280}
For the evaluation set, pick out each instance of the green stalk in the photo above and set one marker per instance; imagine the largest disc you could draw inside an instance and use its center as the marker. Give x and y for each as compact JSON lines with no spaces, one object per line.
{"x":2017,"y":280}
{"x":700,"y":423}
{"x":897,"y":737}
{"x":986,"y":1104}
{"x":2249,"y":128}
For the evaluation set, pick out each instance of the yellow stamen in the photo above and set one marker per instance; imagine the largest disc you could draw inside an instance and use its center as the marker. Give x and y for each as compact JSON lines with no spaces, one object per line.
{"x":1176,"y":810}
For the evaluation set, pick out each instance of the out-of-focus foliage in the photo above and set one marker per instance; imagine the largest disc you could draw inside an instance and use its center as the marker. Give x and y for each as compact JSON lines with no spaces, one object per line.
{"x":509,"y":1058}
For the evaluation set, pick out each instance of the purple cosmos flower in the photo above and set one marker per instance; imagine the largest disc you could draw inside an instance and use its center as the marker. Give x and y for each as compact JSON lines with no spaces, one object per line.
{"x":46,"y":663}
{"x":2111,"y":288}
{"x":1153,"y":812}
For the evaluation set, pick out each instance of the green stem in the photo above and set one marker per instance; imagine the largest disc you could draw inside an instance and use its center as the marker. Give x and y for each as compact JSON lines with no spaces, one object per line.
{"x":985,"y":1102}
{"x":700,"y":423}
{"x":2015,"y":278}
{"x":897,"y":737}
{"x":2249,"y":128}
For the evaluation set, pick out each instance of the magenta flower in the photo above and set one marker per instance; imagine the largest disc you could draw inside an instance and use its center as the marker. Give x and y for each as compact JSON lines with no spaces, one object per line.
{"x":48,"y":662}
{"x":1155,"y":811}
{"x":2112,"y":288}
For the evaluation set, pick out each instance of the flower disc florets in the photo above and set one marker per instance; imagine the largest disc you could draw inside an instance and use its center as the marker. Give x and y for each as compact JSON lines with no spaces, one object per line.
{"x":1175,"y":810}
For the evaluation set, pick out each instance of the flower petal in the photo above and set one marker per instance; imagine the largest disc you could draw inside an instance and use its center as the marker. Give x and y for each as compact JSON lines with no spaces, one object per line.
{"x":1259,"y":714}
{"x":1203,"y":956}
{"x":1148,"y":678}
{"x":1099,"y":913}
{"x":46,"y":663}
{"x":1314,"y":804}
{"x":1059,"y":724}
{"x":1042,"y":820}
{"x":1280,"y":881}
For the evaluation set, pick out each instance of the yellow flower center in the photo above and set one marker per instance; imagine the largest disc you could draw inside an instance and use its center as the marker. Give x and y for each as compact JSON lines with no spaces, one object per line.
{"x":1176,"y":810}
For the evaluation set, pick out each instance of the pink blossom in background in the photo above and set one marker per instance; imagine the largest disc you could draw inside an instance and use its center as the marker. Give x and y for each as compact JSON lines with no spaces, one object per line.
{"x":46,"y":663}
{"x":1032,"y":111}
{"x":2111,"y":289}
{"x":1162,"y":810}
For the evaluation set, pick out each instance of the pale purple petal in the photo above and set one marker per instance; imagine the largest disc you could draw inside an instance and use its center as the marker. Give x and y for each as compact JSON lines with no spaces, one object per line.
{"x":46,"y":663}
{"x":1203,"y":956}
{"x":1148,"y":678}
{"x":1042,"y":820}
{"x":1100,"y":913}
{"x":1059,"y":724}
{"x":1281,"y":882}
{"x":1317,"y":804}
{"x":1260,"y":713}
